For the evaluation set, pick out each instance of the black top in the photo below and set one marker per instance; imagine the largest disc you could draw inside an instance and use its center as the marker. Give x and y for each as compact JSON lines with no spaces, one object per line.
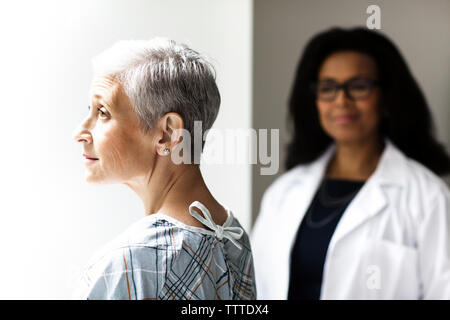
{"x":314,"y":234}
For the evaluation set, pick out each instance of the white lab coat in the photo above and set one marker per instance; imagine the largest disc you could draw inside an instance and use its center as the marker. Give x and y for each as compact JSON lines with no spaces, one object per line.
{"x":392,"y":242}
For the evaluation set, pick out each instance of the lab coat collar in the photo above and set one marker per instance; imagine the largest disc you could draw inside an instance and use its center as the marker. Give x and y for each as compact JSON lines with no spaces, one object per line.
{"x":371,"y":199}
{"x":391,"y":167}
{"x":367,"y":203}
{"x":385,"y":173}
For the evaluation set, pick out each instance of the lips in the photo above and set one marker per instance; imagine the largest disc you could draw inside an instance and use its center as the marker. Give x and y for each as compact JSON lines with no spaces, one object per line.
{"x":345,"y":118}
{"x":89,"y":158}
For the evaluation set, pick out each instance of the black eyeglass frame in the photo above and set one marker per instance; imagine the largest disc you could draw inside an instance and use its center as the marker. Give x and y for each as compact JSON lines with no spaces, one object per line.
{"x":345,"y":86}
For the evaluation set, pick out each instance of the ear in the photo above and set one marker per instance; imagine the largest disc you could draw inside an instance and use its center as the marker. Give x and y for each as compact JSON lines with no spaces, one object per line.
{"x":171,"y":126}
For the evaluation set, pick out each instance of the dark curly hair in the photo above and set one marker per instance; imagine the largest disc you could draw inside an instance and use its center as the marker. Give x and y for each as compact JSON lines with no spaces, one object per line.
{"x":408,"y":123}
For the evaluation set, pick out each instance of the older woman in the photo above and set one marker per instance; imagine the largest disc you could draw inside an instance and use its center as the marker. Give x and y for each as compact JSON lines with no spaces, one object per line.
{"x":361,"y":213}
{"x":187,"y":246}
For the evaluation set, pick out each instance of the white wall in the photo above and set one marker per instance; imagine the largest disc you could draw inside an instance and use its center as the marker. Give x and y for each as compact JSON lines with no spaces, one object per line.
{"x":51,"y":220}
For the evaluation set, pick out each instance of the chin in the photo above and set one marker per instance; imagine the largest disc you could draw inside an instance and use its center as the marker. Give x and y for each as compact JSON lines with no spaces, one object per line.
{"x":347,"y":136}
{"x":91,"y":179}
{"x":102,"y":180}
{"x":350,"y":139}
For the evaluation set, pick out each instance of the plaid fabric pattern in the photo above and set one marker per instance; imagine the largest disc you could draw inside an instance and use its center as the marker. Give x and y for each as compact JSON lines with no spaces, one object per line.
{"x":161,"y":258}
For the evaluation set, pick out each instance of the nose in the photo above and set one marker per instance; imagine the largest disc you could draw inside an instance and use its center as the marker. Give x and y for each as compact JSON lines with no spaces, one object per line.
{"x":341,"y":98}
{"x":81,"y":134}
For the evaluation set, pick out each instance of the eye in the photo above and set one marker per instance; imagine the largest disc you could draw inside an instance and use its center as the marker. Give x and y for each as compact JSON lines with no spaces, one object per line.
{"x":325,"y":87}
{"x":359,"y":85}
{"x":102,"y":113}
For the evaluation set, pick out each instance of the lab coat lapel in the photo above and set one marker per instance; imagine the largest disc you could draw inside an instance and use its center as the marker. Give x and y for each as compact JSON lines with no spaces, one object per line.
{"x":371,"y":199}
{"x":366,"y":204}
{"x":301,"y":193}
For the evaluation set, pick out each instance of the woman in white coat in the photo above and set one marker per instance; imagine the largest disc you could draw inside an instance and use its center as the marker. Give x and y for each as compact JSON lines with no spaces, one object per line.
{"x":361,"y":212}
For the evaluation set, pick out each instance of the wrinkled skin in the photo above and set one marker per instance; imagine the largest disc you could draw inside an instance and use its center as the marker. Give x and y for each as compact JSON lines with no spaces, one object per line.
{"x":111,"y":133}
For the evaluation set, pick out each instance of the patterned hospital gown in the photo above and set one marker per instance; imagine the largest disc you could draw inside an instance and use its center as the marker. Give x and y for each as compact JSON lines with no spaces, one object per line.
{"x":159,"y":257}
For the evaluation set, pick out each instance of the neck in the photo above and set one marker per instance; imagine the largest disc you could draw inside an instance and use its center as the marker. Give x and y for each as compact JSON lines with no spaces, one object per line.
{"x":170,"y":189}
{"x":355,"y":160}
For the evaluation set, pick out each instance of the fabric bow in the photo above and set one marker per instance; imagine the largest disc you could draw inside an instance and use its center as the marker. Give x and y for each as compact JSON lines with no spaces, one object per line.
{"x":231,"y":233}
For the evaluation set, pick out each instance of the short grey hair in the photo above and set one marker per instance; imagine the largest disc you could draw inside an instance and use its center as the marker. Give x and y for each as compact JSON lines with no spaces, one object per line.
{"x":161,"y":76}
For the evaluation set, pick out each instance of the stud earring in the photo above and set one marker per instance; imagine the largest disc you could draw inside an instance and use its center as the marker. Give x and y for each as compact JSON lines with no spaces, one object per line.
{"x":166,"y":151}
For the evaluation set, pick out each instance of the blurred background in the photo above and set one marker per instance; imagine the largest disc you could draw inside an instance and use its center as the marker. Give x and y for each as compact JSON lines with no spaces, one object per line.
{"x":51,"y":220}
{"x":281,"y":29}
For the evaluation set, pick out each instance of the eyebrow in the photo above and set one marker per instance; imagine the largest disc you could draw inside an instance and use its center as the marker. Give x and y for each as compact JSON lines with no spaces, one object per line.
{"x":97,"y":96}
{"x":100,"y":99}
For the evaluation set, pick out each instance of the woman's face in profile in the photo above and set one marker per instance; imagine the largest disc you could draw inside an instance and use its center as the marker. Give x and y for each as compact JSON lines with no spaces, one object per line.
{"x":111,"y":134}
{"x":344,"y":118}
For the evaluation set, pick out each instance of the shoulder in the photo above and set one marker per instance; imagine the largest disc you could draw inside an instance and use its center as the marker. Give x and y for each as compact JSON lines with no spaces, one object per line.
{"x":413,"y":176}
{"x":133,"y":264}
{"x":158,"y":258}
{"x":276,"y":190}
{"x":424,"y":188}
{"x":149,"y":232}
{"x":420,"y":188}
{"x":273,"y":200}
{"x":424,"y":177}
{"x":300,"y":174}
{"x":274,"y":196}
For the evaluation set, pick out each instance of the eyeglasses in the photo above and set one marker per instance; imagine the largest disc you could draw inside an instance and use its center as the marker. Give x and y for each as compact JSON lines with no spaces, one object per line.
{"x":355,"y":89}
